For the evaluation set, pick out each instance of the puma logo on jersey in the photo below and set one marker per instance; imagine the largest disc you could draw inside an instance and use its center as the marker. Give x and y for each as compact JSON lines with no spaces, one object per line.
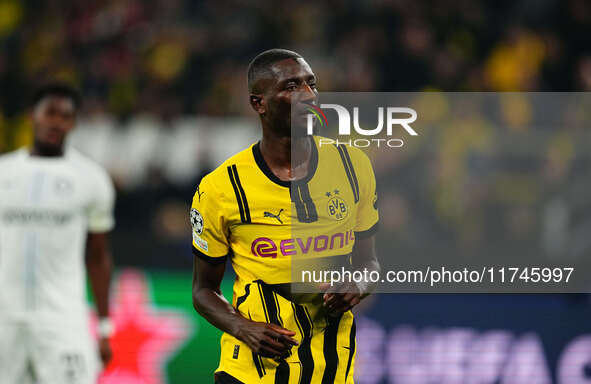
{"x":269,"y":214}
{"x":199,"y":194}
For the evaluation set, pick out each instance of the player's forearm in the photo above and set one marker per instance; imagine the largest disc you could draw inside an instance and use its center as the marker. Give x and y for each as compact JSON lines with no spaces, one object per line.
{"x":370,"y":265}
{"x":214,"y":307}
{"x":99,"y":270}
{"x":365,"y":260}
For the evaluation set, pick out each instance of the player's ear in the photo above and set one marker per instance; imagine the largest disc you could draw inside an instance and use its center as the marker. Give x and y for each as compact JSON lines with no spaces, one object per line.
{"x":257,"y":102}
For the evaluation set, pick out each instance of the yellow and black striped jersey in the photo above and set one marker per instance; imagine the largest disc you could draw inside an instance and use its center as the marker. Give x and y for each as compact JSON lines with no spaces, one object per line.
{"x":243,"y":212}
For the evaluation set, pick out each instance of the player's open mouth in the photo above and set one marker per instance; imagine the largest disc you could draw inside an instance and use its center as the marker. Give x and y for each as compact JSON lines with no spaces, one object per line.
{"x":53,"y":136}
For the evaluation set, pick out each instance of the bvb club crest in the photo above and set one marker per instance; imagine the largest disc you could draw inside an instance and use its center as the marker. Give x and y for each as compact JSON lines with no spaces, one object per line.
{"x":337,"y":208}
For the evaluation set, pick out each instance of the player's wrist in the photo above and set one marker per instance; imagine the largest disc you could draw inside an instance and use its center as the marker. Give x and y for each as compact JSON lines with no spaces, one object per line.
{"x":105,"y":328}
{"x":239,"y":326}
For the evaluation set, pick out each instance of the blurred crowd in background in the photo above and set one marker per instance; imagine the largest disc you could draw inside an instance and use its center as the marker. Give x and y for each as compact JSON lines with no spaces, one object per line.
{"x":165,"y":98}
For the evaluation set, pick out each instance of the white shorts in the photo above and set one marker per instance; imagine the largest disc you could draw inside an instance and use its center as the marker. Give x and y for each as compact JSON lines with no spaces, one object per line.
{"x":47,"y":354}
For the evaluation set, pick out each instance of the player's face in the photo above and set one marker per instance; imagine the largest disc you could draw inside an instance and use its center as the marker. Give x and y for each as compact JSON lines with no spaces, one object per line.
{"x":294,"y":83}
{"x":53,"y":119}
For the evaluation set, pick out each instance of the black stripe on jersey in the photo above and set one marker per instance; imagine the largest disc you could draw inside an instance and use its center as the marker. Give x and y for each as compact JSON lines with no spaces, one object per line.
{"x":304,"y":350}
{"x":352,"y":168}
{"x":279,"y":314}
{"x":305,"y":207}
{"x":299,"y":204}
{"x":258,"y":362}
{"x":308,"y":202}
{"x":224,"y":378}
{"x":209,"y":259}
{"x":244,"y":201}
{"x":272,"y":308}
{"x":282,"y":372}
{"x":330,"y":349}
{"x":242,"y":298}
{"x":263,"y":302}
{"x":270,"y":303}
{"x":278,"y":309}
{"x":369,"y":232}
{"x":351,"y":349}
{"x":349,"y":170}
{"x":276,"y":301}
{"x":240,"y":195}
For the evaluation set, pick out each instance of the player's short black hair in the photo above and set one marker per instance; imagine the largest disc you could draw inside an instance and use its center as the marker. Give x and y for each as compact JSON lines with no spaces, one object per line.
{"x":262,"y":62}
{"x":57,"y":89}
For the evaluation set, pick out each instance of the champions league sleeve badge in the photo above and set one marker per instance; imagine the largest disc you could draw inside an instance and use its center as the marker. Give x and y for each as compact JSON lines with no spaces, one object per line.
{"x":196,"y":221}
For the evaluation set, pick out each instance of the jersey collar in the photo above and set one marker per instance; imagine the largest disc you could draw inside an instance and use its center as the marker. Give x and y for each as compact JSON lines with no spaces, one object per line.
{"x":258,"y":157}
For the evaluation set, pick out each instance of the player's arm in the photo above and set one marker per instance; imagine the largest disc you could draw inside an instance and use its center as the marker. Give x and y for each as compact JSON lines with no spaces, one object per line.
{"x":208,"y":300}
{"x":265,"y":339}
{"x":364,"y":258}
{"x":99,"y":263}
{"x":344,"y":297}
{"x":211,"y":247}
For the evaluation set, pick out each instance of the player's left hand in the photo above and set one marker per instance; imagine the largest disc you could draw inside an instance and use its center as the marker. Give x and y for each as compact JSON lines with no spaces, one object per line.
{"x":105,"y":350}
{"x":340,"y":298}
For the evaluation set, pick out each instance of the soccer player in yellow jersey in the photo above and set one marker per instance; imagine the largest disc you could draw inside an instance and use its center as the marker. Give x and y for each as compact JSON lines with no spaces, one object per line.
{"x":246,"y":211}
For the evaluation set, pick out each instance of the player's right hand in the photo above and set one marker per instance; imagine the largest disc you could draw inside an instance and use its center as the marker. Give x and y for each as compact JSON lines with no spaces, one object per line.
{"x":267,"y":340}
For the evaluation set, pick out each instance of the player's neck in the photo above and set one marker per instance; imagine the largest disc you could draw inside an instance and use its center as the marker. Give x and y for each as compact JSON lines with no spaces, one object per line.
{"x":277,"y":153}
{"x":44,"y":151}
{"x":276,"y":150}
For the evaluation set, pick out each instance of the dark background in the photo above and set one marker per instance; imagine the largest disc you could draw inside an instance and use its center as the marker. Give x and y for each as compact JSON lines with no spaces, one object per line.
{"x":148,"y":68}
{"x":165,"y":100}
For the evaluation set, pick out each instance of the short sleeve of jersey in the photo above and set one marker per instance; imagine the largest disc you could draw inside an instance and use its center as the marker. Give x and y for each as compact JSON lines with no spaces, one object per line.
{"x":101,"y":216}
{"x":367,"y":213}
{"x":207,"y":223}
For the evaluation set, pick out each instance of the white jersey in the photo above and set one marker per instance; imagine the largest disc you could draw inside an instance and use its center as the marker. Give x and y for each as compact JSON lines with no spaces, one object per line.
{"x":47,"y":208}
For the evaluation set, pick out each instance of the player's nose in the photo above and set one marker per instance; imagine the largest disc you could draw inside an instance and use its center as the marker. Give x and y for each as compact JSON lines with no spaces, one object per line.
{"x":309,"y":96}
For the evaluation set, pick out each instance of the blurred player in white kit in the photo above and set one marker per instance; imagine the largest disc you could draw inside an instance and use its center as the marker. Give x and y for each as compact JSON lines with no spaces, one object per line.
{"x":56,"y":210}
